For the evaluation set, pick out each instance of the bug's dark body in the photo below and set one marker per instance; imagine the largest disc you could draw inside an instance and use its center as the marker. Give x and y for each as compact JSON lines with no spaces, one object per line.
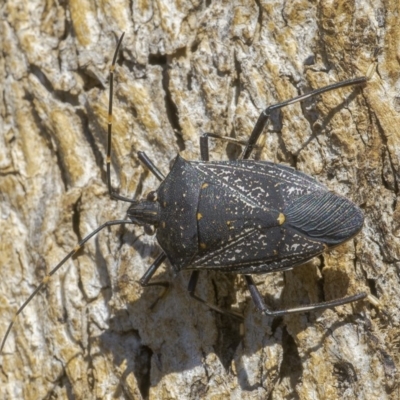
{"x":247,"y":216}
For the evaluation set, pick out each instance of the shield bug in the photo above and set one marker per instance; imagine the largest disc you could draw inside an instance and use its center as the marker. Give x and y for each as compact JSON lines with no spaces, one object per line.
{"x":242,"y":216}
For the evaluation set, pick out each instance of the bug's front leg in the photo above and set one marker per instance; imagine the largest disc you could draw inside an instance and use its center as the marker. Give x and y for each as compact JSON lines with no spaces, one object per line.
{"x":145,"y":160}
{"x":145,"y":279}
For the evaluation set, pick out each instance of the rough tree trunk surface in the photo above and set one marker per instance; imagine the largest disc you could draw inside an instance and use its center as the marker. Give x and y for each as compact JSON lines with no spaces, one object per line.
{"x":188,"y":67}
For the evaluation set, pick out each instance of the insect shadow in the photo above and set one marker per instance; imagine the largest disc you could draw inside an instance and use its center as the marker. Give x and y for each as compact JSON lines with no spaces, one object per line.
{"x":135,"y":326}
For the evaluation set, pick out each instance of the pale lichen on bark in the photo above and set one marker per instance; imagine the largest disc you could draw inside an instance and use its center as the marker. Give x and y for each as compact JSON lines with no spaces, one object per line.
{"x":187,"y":68}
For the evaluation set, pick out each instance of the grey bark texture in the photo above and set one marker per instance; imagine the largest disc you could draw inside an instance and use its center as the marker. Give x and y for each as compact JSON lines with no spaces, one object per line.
{"x":188,"y":67}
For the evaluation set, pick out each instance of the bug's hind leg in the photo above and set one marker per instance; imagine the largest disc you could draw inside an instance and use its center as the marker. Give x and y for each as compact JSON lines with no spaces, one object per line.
{"x":191,"y":289}
{"x":260,"y":304}
{"x":145,"y":279}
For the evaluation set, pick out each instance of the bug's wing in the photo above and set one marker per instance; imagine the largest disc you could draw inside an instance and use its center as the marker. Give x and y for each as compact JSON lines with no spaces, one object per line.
{"x":253,"y":251}
{"x":325,"y":216}
{"x":269,"y":185}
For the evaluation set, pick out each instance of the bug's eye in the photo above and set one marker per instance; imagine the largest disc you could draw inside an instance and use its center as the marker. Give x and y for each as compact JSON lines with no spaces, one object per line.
{"x":152,"y":196}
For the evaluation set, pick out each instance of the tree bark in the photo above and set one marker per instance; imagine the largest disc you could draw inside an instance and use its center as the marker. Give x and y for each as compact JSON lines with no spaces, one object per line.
{"x":186,"y":68}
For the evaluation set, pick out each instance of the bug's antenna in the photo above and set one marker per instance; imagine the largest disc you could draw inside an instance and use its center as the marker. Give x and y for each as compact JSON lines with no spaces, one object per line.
{"x":111,"y":191}
{"x":46,"y":279}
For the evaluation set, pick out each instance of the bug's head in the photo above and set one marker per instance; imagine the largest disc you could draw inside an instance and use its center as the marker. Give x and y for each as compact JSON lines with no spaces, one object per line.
{"x":145,"y":212}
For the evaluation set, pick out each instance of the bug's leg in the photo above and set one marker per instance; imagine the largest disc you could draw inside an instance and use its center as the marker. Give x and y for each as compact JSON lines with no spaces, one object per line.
{"x":260,"y":304}
{"x":46,"y":279}
{"x":204,"y":147}
{"x":264,"y":116}
{"x":150,"y":165}
{"x":145,"y":279}
{"x":191,"y":289}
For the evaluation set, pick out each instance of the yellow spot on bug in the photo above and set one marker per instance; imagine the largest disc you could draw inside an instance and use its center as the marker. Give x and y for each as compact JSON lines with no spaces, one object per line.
{"x":77,"y":248}
{"x":46,"y":279}
{"x":204,"y":185}
{"x":203,"y":246}
{"x":199,"y":216}
{"x":281,"y":219}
